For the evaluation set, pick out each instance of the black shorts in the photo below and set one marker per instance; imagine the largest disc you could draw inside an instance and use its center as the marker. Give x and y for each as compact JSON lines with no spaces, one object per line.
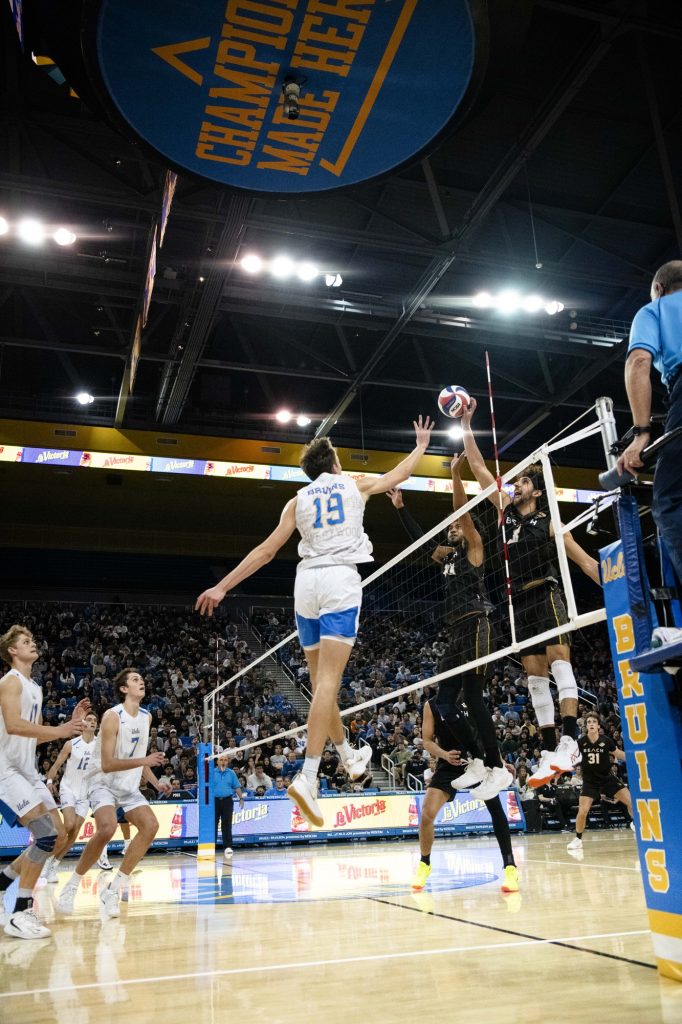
{"x":444,"y":775}
{"x":537,"y":610}
{"x":470,"y":638}
{"x":607,"y":787}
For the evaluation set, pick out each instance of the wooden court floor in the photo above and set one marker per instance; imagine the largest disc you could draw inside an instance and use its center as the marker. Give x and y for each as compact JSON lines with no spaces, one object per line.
{"x":333,"y":935}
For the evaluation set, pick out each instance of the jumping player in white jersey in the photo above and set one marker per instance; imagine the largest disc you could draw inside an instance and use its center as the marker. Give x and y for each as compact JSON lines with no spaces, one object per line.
{"x":24,"y":798}
{"x":328,"y":515}
{"x":73,"y":790}
{"x":119,"y":762}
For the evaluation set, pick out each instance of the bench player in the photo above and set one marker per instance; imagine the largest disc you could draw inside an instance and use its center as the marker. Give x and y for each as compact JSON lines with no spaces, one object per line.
{"x":328,"y":515}
{"x":599,"y":779}
{"x":119,"y":762}
{"x":538,"y":605}
{"x":24,"y":798}
{"x":76,"y":754}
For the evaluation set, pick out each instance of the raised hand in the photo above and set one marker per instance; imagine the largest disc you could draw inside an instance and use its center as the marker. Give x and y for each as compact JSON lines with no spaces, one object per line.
{"x":423,"y":431}
{"x":469,"y":412}
{"x":209,"y":601}
{"x":456,"y":462}
{"x":81,"y":709}
{"x":396,"y":496}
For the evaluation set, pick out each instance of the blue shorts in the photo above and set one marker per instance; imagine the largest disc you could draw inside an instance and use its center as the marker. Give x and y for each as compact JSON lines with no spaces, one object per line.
{"x":327,"y":604}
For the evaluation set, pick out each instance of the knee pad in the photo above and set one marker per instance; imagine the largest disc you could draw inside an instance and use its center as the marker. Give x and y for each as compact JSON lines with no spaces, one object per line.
{"x":565,"y":680}
{"x":45,"y":834}
{"x":541,"y":699}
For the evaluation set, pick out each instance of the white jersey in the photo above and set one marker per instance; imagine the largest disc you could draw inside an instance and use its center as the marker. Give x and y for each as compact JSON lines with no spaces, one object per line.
{"x":132,"y":742}
{"x":329,"y":518}
{"x":77,"y":768}
{"x":18,"y":753}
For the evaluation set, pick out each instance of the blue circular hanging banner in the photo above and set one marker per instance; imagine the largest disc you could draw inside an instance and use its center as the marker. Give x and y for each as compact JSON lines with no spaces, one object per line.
{"x":200,"y":81}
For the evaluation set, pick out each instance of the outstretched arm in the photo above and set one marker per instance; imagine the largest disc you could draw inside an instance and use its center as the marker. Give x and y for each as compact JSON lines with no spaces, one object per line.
{"x":459,"y":500}
{"x":475,"y":459}
{"x":404,"y":470}
{"x":256,"y":558}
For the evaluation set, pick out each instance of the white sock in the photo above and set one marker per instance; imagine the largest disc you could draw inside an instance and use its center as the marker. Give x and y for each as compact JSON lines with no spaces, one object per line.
{"x":345,"y":751}
{"x":310,"y":768}
{"x":119,"y":881}
{"x":74,"y":881}
{"x":126,"y":844}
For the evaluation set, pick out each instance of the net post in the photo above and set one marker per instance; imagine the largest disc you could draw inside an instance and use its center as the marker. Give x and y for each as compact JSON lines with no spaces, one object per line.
{"x":206,"y":836}
{"x":609,"y":431}
{"x":558,"y":536}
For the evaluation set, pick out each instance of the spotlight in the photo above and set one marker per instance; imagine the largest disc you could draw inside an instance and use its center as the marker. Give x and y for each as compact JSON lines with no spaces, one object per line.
{"x":252,"y":264}
{"x":292,"y":94}
{"x":333,"y":280}
{"x":282,"y":267}
{"x":283,"y":416}
{"x":532,"y":303}
{"x":63,"y":236}
{"x":31,"y":231}
{"x":84,"y":398}
{"x":201,"y":280}
{"x":4,"y":226}
{"x":303,"y":421}
{"x":306,"y":271}
{"x":455,"y":433}
{"x":553,"y":307}
{"x":508,"y":301}
{"x":483,"y":300}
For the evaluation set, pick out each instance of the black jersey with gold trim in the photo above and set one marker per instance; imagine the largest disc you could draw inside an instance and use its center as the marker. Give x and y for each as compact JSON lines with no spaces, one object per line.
{"x":530,"y":547}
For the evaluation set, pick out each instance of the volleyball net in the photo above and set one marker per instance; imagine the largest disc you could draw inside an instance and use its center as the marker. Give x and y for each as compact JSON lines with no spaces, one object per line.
{"x":413,"y":604}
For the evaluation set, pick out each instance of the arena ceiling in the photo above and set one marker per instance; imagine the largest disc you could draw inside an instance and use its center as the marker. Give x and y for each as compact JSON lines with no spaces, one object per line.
{"x":578,"y":115}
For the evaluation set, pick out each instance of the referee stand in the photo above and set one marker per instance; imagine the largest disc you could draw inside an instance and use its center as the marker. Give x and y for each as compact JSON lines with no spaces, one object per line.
{"x":651,"y":714}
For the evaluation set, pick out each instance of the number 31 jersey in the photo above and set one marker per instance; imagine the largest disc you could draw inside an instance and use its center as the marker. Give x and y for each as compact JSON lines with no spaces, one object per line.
{"x":132,"y":741}
{"x":329,"y":518}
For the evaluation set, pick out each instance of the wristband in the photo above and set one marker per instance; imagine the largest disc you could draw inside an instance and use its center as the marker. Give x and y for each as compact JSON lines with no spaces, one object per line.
{"x":640,"y":430}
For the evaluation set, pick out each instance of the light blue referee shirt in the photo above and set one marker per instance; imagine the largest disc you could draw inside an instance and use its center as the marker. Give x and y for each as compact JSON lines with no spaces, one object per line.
{"x":225,"y":782}
{"x":657,"y":328}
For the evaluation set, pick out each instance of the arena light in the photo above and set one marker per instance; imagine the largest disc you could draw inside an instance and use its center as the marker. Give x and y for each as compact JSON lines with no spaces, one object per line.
{"x":303,"y":421}
{"x":532,"y":303}
{"x":306,"y":271}
{"x":283,"y":416}
{"x":455,"y":433}
{"x":553,"y":307}
{"x":85,"y":398}
{"x":508,"y":301}
{"x":511,"y":301}
{"x":483,"y":300}
{"x":31,"y":231}
{"x":63,"y":236}
{"x":333,"y":280}
{"x":4,"y":226}
{"x":252,"y":264}
{"x":282,"y":267}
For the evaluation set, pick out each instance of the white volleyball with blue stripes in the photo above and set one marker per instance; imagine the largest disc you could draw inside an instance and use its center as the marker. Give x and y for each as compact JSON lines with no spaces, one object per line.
{"x":453,"y":401}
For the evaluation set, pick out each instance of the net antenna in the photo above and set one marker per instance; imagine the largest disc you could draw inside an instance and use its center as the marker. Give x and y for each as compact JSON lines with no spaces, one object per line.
{"x":498,"y":481}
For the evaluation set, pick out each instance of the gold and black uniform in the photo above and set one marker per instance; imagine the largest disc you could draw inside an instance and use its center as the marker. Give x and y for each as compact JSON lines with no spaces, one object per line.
{"x":538,"y":599}
{"x":597,"y":768}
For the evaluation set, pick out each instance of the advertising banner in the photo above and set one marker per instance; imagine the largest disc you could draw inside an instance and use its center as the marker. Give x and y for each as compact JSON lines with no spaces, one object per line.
{"x":112,"y":460}
{"x":192,"y":467}
{"x":52,"y":456}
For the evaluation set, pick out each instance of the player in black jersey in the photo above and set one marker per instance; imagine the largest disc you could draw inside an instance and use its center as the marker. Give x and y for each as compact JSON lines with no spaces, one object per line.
{"x":598,"y":777}
{"x":448,"y":736}
{"x":538,"y":605}
{"x":470,"y":632}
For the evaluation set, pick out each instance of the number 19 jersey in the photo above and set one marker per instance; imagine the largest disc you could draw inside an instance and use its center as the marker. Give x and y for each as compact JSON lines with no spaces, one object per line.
{"x":329,"y":518}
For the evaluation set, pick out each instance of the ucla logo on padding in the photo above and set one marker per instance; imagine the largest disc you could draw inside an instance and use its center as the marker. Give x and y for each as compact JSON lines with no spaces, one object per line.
{"x":202,"y":83}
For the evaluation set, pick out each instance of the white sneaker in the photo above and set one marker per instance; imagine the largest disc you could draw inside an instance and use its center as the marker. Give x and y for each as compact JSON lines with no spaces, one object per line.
{"x":494,"y":781}
{"x":66,"y":899}
{"x":575,"y":844}
{"x":109,"y":901}
{"x":51,"y":871}
{"x":474,"y":774}
{"x":25,"y":925}
{"x":662,"y":636}
{"x":632,"y":827}
{"x":358,"y":764}
{"x":227,"y":852}
{"x":103,"y":862}
{"x":544,"y":771}
{"x":305,"y":797}
{"x":566,"y":756}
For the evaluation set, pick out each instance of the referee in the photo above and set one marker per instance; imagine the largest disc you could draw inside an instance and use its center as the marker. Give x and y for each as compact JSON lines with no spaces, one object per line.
{"x":656,"y":337}
{"x":225,"y":785}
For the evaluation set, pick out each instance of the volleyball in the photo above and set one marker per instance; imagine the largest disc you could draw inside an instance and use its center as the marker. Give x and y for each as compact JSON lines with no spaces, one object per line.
{"x":453,"y":401}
